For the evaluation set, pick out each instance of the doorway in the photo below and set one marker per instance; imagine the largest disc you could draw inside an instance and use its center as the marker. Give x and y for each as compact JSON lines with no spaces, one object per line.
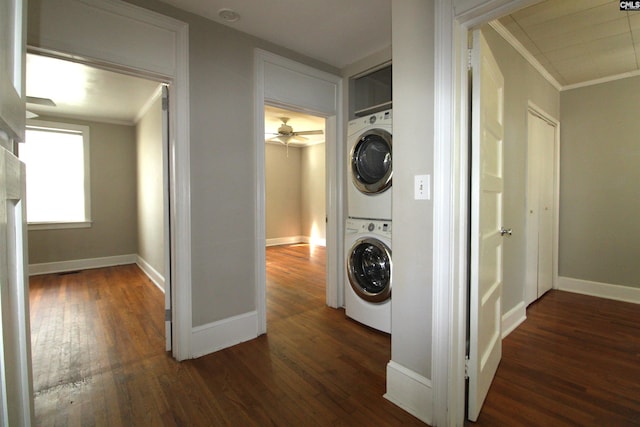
{"x":127,"y":156}
{"x":542,"y":138}
{"x":295,"y":199}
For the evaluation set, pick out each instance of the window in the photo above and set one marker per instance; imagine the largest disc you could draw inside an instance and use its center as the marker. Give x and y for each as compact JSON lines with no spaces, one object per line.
{"x":57,"y":159}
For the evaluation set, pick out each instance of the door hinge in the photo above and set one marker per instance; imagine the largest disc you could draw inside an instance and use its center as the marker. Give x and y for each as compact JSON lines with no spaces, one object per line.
{"x":466,"y":367}
{"x":167,"y":315}
{"x":469,"y":56}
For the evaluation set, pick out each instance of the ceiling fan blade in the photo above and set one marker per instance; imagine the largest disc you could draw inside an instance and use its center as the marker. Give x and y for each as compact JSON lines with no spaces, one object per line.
{"x":309,"y":132}
{"x":40,"y":101}
{"x":31,"y":115}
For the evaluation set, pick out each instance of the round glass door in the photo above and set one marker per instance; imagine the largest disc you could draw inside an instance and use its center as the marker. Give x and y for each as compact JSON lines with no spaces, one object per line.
{"x":369,"y":269}
{"x":371,"y":166}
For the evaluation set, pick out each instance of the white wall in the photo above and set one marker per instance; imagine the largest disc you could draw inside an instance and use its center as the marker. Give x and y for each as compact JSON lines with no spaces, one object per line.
{"x":599,"y":183}
{"x":314,"y":193}
{"x":150,"y":191}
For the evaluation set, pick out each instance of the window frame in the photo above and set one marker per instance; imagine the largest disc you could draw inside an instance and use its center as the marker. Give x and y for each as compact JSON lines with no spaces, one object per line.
{"x":85,"y":132}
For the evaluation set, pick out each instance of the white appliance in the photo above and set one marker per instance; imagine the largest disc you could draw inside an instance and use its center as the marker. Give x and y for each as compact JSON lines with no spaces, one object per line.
{"x":370,"y":166}
{"x":368,"y":262}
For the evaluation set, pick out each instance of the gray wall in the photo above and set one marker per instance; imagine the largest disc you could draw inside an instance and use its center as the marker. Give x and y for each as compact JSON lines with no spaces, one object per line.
{"x":113,"y":201}
{"x":412,"y":241}
{"x":283,"y":192}
{"x":150,"y":190}
{"x":295,"y":191}
{"x":223,"y":181}
{"x":600,"y":183}
{"x":522,"y":84}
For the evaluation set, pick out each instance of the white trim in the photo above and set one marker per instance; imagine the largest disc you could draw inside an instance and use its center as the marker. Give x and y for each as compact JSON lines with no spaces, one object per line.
{"x":515,"y":43}
{"x":513,"y":318}
{"x":153,"y":274}
{"x":334,"y":176}
{"x":601,"y":80}
{"x":444,"y":224}
{"x":598,"y":289}
{"x":410,"y":391}
{"x":34,"y":226}
{"x":225,"y":333}
{"x":292,"y":240}
{"x":81,"y":264}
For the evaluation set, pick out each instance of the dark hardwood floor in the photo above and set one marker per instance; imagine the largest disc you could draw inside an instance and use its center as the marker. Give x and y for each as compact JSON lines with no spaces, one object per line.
{"x":99,"y":359}
{"x":575,"y":361}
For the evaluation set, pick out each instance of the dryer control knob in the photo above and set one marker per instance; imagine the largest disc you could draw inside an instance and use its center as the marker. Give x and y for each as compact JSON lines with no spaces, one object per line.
{"x":372,"y":226}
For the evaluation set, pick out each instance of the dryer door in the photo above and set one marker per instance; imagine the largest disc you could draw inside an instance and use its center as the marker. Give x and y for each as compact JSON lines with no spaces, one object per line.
{"x":371,"y":167}
{"x":369,"y":269}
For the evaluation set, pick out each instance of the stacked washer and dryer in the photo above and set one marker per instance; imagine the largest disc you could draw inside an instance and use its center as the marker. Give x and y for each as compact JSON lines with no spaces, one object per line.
{"x":368,"y":226}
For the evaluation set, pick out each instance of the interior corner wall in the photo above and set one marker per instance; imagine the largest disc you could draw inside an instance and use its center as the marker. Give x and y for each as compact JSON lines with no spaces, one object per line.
{"x":523,"y":83}
{"x":150,"y":188}
{"x":599,"y":191}
{"x":295,"y":193}
{"x":283,"y":192}
{"x":113,"y":201}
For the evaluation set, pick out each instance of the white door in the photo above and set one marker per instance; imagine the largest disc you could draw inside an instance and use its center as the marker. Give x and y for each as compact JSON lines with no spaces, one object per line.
{"x":16,"y":386}
{"x":485,"y":293}
{"x":541,"y":138}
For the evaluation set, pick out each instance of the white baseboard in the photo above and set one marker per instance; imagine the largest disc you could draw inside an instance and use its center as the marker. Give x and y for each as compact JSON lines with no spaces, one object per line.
{"x":410,"y":391}
{"x":225,"y":333}
{"x":81,"y":264}
{"x":597,"y":289}
{"x":291,"y":240}
{"x":513,"y":318}
{"x":152,"y":273}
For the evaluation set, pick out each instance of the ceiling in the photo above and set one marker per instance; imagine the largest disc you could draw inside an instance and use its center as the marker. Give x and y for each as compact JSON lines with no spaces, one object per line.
{"x":88,"y":93}
{"x":337,"y":32}
{"x":576,"y":41}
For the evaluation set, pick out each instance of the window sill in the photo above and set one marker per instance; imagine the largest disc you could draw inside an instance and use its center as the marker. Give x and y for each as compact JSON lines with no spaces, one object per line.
{"x":32,"y":226}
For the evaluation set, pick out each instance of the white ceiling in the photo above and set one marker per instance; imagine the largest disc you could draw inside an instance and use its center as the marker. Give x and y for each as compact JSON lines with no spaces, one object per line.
{"x":85,"y":92}
{"x":579,"y":41}
{"x":337,"y":32}
{"x":576,"y":41}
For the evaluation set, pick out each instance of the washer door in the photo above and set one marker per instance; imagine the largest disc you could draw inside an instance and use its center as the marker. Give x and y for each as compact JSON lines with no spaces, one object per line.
{"x":371,"y":167}
{"x":369,"y":269}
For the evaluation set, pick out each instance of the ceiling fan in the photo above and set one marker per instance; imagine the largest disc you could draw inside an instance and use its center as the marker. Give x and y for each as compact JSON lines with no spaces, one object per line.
{"x":38,"y":101}
{"x":287,"y":135}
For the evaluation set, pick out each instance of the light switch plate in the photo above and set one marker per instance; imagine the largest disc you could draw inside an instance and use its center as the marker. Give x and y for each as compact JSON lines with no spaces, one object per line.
{"x":422,"y":187}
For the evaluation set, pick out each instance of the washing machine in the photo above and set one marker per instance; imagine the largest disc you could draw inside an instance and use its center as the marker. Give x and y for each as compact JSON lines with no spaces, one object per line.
{"x":370,"y":166}
{"x":368,"y":266}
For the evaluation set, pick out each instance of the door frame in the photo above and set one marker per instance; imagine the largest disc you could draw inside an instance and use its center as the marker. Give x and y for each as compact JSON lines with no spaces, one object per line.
{"x":543,"y":115}
{"x":451,"y":191}
{"x":61,"y":36}
{"x":277,"y":80}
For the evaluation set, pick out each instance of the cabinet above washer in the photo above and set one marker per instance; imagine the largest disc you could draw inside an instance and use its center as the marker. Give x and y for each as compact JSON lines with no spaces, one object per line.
{"x":370,"y":92}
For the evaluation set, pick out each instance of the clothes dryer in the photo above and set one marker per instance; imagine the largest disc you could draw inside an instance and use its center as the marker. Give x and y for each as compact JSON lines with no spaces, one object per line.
{"x":368,"y":264}
{"x":370,"y":166}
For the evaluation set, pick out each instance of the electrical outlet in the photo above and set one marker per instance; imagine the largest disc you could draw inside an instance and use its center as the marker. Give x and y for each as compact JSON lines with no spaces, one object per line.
{"x":422,"y":188}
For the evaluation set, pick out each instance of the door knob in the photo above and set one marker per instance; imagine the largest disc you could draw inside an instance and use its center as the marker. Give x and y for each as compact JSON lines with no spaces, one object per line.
{"x":506,"y":231}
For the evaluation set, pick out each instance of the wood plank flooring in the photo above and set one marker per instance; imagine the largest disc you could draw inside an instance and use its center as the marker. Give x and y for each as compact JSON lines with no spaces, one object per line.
{"x":575,"y":361}
{"x":98,"y":359}
{"x":98,"y":356}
